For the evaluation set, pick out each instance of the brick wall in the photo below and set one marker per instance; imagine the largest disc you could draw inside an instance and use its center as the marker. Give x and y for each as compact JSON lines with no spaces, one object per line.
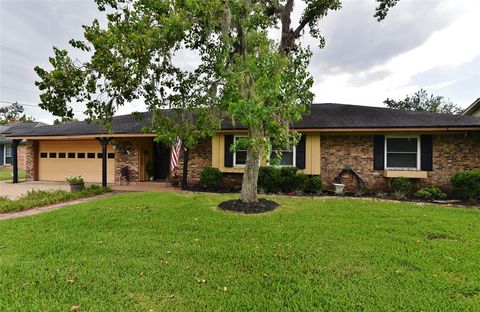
{"x":200,"y":156}
{"x":124,"y":159}
{"x":22,"y":156}
{"x":451,"y":153}
{"x":355,"y":151}
{"x":31,"y":160}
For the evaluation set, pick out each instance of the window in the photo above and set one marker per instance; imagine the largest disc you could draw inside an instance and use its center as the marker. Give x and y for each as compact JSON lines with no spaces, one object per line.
{"x":53,"y":155}
{"x":43,"y":155}
{"x":71,"y":155}
{"x":111,"y":155}
{"x":288,"y":158}
{"x":61,"y":155}
{"x":240,"y":155}
{"x":99,"y":155}
{"x":90,"y":155}
{"x":80,"y":155}
{"x":8,"y":154}
{"x":402,"y":153}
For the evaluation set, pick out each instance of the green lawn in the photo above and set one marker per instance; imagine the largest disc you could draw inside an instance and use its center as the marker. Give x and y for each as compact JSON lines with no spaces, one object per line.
{"x":178,"y":252}
{"x":6,"y":175}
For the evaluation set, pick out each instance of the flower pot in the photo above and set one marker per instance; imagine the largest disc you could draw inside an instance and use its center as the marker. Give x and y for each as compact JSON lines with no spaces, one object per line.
{"x":77,"y":187}
{"x":339,"y":188}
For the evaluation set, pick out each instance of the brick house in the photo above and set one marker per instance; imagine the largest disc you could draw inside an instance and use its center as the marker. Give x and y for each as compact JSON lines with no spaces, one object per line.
{"x":377,"y":143}
{"x":6,"y":158}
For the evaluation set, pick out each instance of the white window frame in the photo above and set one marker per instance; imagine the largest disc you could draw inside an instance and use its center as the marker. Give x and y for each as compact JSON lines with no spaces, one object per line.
{"x":235,"y":153}
{"x":403,"y":137}
{"x":294,"y":151}
{"x":7,"y":147}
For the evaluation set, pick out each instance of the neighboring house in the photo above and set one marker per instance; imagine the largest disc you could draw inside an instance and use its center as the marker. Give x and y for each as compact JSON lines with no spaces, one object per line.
{"x":378,"y":143}
{"x":6,"y":144}
{"x":474,"y":109}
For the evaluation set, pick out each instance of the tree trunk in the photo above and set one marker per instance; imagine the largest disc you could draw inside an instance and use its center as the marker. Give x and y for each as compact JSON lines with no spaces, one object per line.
{"x":250,"y":175}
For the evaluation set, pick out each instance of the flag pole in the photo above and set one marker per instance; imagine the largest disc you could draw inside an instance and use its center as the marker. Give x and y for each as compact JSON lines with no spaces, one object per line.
{"x":185,"y":168}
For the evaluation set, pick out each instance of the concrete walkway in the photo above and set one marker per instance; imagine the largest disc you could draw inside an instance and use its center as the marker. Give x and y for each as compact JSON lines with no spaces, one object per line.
{"x":35,"y":211}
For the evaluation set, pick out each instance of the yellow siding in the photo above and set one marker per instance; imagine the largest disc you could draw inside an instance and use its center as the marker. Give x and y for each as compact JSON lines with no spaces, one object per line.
{"x":56,"y":169}
{"x":312,"y":154}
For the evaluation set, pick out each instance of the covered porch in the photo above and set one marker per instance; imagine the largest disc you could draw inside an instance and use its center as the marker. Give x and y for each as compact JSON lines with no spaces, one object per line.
{"x":109,"y":160}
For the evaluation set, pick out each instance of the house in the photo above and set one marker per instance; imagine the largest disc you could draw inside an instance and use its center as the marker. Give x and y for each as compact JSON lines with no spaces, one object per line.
{"x":474,"y":109}
{"x":6,"y":144}
{"x":378,"y":143}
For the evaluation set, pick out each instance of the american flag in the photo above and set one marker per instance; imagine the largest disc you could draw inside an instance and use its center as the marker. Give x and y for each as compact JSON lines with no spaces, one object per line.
{"x":174,"y":158}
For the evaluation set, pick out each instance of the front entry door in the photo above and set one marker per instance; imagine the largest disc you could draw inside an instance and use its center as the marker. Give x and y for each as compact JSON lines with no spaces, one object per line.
{"x":161,"y":163}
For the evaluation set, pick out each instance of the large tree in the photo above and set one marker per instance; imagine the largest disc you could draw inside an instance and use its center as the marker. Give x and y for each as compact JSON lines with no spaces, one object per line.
{"x":243,"y":73}
{"x":13,"y":113}
{"x":421,"y":101}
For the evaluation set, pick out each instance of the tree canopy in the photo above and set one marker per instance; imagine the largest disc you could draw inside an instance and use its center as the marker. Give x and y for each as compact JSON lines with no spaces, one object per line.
{"x":258,"y":80}
{"x":13,"y":113}
{"x":421,"y":101}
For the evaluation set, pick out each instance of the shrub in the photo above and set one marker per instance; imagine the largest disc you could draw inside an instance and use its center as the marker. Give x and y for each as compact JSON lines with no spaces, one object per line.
{"x":430,"y":193}
{"x":400,"y":187}
{"x":467,"y":184}
{"x":211,"y":178}
{"x":313,"y":185}
{"x":287,"y":180}
{"x":290,"y":181}
{"x":269,"y":179}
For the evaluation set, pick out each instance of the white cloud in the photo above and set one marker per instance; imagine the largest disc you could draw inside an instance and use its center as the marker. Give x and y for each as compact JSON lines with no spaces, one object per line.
{"x":452,"y":46}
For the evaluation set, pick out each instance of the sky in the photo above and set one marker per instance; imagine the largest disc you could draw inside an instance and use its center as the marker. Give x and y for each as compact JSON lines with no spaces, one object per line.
{"x":430,"y":44}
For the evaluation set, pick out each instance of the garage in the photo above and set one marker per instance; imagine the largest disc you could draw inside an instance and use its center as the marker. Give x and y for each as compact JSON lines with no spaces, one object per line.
{"x":58,"y":159}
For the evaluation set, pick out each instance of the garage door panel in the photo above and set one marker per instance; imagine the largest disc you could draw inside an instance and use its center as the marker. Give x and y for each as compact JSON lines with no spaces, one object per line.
{"x":56,"y":168}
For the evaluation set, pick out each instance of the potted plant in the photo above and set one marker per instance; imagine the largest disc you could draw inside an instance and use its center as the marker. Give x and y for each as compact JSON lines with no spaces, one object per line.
{"x":149,"y":170}
{"x":76,"y":182}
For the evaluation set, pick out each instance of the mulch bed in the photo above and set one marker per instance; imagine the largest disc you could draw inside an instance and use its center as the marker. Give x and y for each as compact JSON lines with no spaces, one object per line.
{"x":237,"y":205}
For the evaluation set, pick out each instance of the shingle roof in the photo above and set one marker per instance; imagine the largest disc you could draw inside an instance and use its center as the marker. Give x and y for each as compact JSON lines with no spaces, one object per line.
{"x":345,"y":116}
{"x":321,"y":116}
{"x":12,"y":129}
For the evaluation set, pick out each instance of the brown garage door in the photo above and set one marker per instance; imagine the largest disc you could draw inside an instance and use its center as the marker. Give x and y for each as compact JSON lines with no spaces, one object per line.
{"x":58,"y":159}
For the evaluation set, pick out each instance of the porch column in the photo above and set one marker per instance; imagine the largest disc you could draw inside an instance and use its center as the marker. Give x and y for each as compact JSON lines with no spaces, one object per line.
{"x":104,"y":142}
{"x":15,"y":160}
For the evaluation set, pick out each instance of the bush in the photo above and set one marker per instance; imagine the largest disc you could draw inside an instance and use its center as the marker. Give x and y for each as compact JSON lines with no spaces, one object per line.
{"x":467,"y":184}
{"x":313,"y":185}
{"x":269,"y":179}
{"x":400,"y":187}
{"x":287,"y":180}
{"x":430,"y":193}
{"x":211,"y":178}
{"x":290,"y":181}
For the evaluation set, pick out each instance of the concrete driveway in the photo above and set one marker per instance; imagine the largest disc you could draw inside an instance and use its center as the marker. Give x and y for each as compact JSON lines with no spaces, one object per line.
{"x":12,"y":191}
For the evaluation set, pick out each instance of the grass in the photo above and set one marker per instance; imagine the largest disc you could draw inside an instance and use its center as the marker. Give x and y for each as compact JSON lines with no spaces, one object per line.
{"x":39,"y":198}
{"x":6,"y":174}
{"x":178,"y":252}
